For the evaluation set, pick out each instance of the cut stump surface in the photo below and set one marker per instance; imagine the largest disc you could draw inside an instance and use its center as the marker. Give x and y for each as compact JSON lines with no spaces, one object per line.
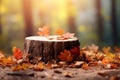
{"x":48,"y":47}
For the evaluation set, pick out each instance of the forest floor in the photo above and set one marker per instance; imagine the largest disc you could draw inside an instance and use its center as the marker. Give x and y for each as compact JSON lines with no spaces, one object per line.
{"x":94,"y":73}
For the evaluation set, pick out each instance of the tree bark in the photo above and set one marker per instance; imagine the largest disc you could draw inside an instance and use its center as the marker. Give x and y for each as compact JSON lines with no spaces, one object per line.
{"x":48,"y":50}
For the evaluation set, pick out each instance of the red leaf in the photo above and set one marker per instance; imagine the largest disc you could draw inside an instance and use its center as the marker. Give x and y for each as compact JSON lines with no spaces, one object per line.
{"x":66,"y":56}
{"x":75,"y":51}
{"x":17,"y":53}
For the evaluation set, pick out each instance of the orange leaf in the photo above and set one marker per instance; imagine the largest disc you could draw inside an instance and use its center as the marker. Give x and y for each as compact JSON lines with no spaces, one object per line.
{"x":17,"y":53}
{"x":66,"y":56}
{"x":6,"y":61}
{"x":44,"y":31}
{"x":85,"y":66}
{"x":20,"y":67}
{"x":60,"y":31}
{"x":49,"y":65}
{"x":105,"y":61}
{"x":39,"y":67}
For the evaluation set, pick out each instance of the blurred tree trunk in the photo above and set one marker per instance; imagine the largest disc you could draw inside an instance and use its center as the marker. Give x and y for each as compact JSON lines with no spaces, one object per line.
{"x":0,"y":25}
{"x":71,"y":16}
{"x":113,"y":21}
{"x":71,"y":24}
{"x":99,"y":20}
{"x":27,"y":12}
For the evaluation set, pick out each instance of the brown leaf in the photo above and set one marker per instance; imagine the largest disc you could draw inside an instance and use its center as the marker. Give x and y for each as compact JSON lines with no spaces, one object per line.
{"x":39,"y":67}
{"x":6,"y":61}
{"x":113,"y":66}
{"x":117,"y":49}
{"x":85,"y":66}
{"x":20,"y":67}
{"x":49,"y":65}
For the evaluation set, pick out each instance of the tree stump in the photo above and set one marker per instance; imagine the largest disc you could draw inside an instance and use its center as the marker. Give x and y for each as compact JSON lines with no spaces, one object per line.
{"x":48,"y":47}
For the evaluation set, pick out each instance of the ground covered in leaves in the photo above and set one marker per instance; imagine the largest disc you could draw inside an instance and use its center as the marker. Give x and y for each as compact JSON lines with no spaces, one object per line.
{"x":91,"y":63}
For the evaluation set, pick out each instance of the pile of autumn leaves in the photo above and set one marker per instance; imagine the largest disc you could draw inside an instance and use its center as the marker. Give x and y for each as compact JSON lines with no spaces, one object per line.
{"x":90,"y":56}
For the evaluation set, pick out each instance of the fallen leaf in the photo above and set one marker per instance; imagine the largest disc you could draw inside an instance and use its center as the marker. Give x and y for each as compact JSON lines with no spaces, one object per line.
{"x":49,"y":65}
{"x":78,"y":64}
{"x":110,"y":56}
{"x":60,"y":31}
{"x":75,"y":51}
{"x":39,"y":67}
{"x":117,"y":49}
{"x":17,"y":53}
{"x":68,"y":35}
{"x":106,"y":49}
{"x":85,"y":66}
{"x":113,"y":66}
{"x":44,"y":31}
{"x":66,"y":56}
{"x":105,"y":61}
{"x":100,"y":56}
{"x":22,"y":66}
